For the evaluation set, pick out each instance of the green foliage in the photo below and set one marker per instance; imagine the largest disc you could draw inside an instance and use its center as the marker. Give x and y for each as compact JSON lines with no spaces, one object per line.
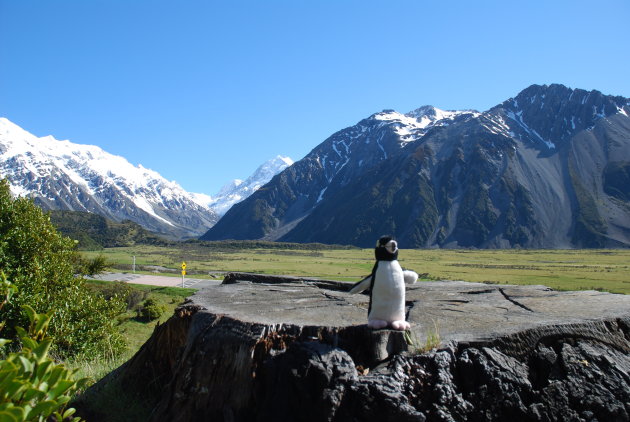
{"x":129,"y":295}
{"x":433,"y":340}
{"x":91,"y":266}
{"x":41,"y":263}
{"x":7,"y":290}
{"x":151,"y":310}
{"x":94,"y":232}
{"x":32,"y":386}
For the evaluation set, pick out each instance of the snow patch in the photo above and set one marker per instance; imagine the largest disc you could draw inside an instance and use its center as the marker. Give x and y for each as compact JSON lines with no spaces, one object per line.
{"x":334,"y":147}
{"x":378,"y":142}
{"x":599,"y":114}
{"x":518,"y":118}
{"x":321,"y":194}
{"x":415,"y":123}
{"x":144,"y":205}
{"x":495,"y":124}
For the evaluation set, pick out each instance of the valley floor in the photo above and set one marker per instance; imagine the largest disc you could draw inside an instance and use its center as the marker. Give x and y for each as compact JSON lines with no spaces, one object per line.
{"x":586,"y":269}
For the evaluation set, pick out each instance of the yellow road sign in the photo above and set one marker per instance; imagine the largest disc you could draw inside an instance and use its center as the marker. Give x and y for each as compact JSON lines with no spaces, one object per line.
{"x":183,"y":272}
{"x":183,"y":265}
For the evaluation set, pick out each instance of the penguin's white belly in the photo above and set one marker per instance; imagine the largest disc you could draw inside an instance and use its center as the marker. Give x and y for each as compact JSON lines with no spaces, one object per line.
{"x":388,"y":293}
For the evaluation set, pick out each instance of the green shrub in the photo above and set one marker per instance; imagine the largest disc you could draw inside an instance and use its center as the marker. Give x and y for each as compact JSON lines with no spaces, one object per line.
{"x":32,"y":386}
{"x":131,"y":296}
{"x":135,"y":297}
{"x":41,"y":264}
{"x":151,"y":310}
{"x":93,"y":266}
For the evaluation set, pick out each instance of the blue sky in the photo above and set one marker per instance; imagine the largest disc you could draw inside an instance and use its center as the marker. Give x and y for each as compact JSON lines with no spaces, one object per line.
{"x":205,"y":91}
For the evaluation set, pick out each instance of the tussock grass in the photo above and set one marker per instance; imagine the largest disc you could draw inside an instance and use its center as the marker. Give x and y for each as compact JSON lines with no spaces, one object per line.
{"x":432,"y":341}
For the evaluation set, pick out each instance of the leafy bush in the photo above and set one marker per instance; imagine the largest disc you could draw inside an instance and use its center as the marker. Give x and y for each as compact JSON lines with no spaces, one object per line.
{"x":151,"y":310}
{"x":41,"y":264}
{"x":129,"y":295}
{"x":92,"y":266}
{"x":135,"y":297}
{"x":32,"y":386}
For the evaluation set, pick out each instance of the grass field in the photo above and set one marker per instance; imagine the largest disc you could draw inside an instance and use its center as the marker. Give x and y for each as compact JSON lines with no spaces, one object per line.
{"x":607,"y":270}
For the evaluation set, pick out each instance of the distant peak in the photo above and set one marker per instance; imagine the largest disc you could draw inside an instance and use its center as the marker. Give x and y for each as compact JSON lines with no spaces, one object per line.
{"x":554,"y":95}
{"x":426,"y":110}
{"x":420,"y":118}
{"x":237,"y":190}
{"x":544,"y":90}
{"x":280,"y":158}
{"x":273,"y":165}
{"x":229,"y":187}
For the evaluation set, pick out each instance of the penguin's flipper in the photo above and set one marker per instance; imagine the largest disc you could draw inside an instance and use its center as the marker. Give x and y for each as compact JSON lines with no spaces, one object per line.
{"x":361,"y":285}
{"x":410,"y":276}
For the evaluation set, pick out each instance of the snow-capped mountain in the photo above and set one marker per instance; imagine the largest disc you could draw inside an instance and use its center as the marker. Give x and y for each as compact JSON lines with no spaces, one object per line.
{"x":64,"y":175}
{"x":340,"y":159}
{"x":237,"y":190}
{"x":548,"y":168}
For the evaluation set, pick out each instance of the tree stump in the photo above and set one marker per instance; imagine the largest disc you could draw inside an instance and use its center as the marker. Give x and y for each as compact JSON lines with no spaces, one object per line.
{"x":259,"y":347}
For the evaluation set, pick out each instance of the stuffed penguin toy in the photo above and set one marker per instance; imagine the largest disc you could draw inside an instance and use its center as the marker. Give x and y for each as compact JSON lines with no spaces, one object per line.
{"x":387,"y":287}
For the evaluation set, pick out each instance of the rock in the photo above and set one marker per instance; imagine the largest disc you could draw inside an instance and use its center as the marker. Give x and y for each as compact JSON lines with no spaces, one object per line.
{"x":277,"y":348}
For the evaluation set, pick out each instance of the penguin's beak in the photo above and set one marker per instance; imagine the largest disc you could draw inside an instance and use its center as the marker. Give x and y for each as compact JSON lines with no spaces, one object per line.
{"x":391,"y":246}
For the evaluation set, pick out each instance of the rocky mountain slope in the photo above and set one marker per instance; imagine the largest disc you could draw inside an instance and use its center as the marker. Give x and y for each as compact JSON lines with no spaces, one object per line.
{"x":68,"y":176}
{"x":547,"y":168}
{"x":292,"y":195}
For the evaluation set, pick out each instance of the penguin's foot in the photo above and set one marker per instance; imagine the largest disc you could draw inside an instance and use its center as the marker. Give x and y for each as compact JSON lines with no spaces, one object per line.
{"x":400,"y":325}
{"x":377,"y":324}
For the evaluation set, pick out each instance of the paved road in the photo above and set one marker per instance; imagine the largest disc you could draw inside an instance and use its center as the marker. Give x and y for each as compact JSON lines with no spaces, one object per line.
{"x":157,"y":280}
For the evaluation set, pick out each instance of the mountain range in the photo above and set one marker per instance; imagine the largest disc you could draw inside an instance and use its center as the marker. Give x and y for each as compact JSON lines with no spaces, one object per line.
{"x":61,"y":175}
{"x":548,"y":168}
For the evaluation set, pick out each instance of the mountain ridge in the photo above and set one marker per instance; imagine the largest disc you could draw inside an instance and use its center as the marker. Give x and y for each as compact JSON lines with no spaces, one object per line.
{"x":525,"y":173}
{"x":64,"y":175}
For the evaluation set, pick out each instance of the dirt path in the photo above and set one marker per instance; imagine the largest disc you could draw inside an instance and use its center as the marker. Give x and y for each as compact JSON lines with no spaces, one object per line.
{"x":155,"y":280}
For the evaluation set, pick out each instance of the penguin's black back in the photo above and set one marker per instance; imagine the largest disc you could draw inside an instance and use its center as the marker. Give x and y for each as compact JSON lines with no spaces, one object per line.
{"x":372,"y":286}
